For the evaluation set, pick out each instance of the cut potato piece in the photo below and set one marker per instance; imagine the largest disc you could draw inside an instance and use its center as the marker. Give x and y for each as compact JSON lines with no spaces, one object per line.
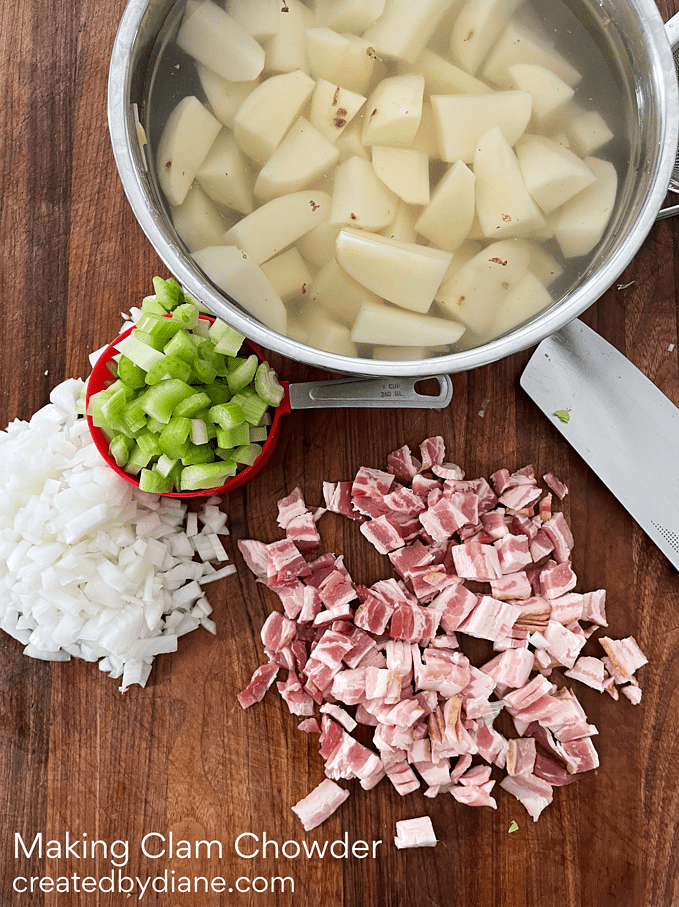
{"x":360,"y":198}
{"x":302,"y":157}
{"x":405,"y":27}
{"x":199,"y":222}
{"x":225,"y":176}
{"x":543,"y":264}
{"x":215,"y":39}
{"x":402,"y":226}
{"x":340,"y":295}
{"x":326,"y":334}
{"x":523,"y":301}
{"x":519,"y":44}
{"x":426,"y":139}
{"x":582,"y":221}
{"x":269,"y":111}
{"x":270,"y":229}
{"x":503,"y":204}
{"x":552,"y":174}
{"x":443,"y":77}
{"x":288,"y":275}
{"x":394,"y":110}
{"x":378,"y":323}
{"x":350,"y":143}
{"x":348,"y":15}
{"x":224,"y":97}
{"x":259,"y":18}
{"x":550,"y":93}
{"x":238,"y":276}
{"x":187,"y":137}
{"x":403,"y":273}
{"x":461,"y":120}
{"x":318,"y":245}
{"x":475,"y":293}
{"x":476,"y":28}
{"x":346,"y":60}
{"x":287,"y":51}
{"x":447,"y":220}
{"x":586,"y":130}
{"x":333,"y":108}
{"x":404,"y":171}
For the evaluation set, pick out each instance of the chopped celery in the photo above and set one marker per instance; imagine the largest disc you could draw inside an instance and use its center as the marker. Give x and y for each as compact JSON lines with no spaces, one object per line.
{"x":218,"y":392}
{"x":243,"y":374}
{"x":227,"y":415}
{"x":152,"y":481}
{"x":121,"y":448}
{"x":206,"y":475}
{"x":258,"y":433}
{"x":267,"y":385}
{"x":185,"y":316}
{"x":168,"y":292}
{"x":173,"y":439}
{"x":199,"y":432}
{"x":204,"y":371}
{"x":198,"y":453}
{"x":165,"y":465}
{"x":247,"y":454}
{"x":227,"y":340}
{"x":148,"y":443}
{"x":159,"y":400}
{"x":234,"y":437}
{"x":151,"y":304}
{"x":252,"y":405}
{"x":192,"y":405}
{"x":139,"y":352}
{"x":169,"y":367}
{"x":138,"y":459}
{"x":132,"y":375}
{"x":181,"y":345}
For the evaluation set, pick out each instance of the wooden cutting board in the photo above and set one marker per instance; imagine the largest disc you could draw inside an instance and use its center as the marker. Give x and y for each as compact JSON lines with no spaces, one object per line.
{"x":180,"y":761}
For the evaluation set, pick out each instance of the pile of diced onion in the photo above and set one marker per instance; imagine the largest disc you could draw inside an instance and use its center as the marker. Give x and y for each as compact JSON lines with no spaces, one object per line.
{"x":90,"y":567}
{"x":489,"y":560}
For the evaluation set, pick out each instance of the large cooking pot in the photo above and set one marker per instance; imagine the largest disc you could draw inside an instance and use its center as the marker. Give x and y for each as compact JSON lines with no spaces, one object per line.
{"x":634,"y":38}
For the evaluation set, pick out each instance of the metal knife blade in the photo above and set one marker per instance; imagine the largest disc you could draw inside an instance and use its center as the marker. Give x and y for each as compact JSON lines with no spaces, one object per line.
{"x":619,"y":422}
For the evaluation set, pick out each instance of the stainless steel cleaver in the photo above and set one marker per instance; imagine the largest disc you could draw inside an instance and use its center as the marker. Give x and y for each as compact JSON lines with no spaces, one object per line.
{"x":624,"y":428}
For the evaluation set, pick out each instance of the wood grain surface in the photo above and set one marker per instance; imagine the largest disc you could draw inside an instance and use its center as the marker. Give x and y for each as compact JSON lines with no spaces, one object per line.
{"x":180,"y":757}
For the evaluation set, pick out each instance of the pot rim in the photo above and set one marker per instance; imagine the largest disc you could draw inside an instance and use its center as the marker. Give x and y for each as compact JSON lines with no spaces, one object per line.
{"x":565,"y":310}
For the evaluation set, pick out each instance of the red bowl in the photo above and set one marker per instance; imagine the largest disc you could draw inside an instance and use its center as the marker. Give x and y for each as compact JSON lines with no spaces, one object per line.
{"x":102,"y":376}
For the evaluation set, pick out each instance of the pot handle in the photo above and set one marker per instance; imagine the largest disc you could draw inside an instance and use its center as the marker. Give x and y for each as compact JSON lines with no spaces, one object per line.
{"x":370,"y":393}
{"x":672,"y":32}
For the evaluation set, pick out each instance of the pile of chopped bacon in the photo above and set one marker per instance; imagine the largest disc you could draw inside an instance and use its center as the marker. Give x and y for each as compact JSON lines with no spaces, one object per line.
{"x":489,"y":560}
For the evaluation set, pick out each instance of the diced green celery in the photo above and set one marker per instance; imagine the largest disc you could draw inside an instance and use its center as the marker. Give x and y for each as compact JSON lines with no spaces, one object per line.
{"x":267,"y":385}
{"x":234,"y":362}
{"x":134,"y":416}
{"x":224,"y":453}
{"x":120,"y":448}
{"x":252,"y":405}
{"x":149,"y":443}
{"x":165,"y":465}
{"x":138,"y":351}
{"x":169,"y":367}
{"x":227,"y":415}
{"x":198,"y":453}
{"x":132,"y":375}
{"x":151,"y":305}
{"x":181,"y":345}
{"x":207,"y":475}
{"x":159,"y":328}
{"x":152,"y":481}
{"x":159,"y":400}
{"x":185,"y":315}
{"x":247,"y":454}
{"x":242,"y":375}
{"x":218,"y":392}
{"x":199,"y":432}
{"x":234,"y":437}
{"x":174,"y":438}
{"x":193,"y":405}
{"x":258,"y":434}
{"x":116,"y":402}
{"x":137,"y":461}
{"x":204,"y":371}
{"x":227,"y":339}
{"x":168,"y":292}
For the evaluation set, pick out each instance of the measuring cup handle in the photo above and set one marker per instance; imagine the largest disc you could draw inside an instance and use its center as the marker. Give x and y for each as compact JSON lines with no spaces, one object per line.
{"x":370,"y":393}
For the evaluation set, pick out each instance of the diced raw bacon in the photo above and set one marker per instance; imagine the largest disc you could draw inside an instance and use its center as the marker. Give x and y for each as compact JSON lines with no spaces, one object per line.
{"x":284,"y":563}
{"x":403,"y":465}
{"x":632,"y":692}
{"x":533,"y":792}
{"x":429,"y":580}
{"x":409,"y":557}
{"x":368,"y":490}
{"x":521,"y":699}
{"x":521,"y":756}
{"x":559,"y":489}
{"x":382,"y":533}
{"x":511,"y":669}
{"x":454,"y":604}
{"x":373,"y":614}
{"x":559,"y":533}
{"x":320,"y":804}
{"x":404,"y":501}
{"x":298,"y":701}
{"x":277,"y":632}
{"x":588,"y":670}
{"x":491,"y":745}
{"x":292,"y":598}
{"x":255,"y":556}
{"x":446,"y":675}
{"x":581,"y":755}
{"x":557,"y":579}
{"x":494,"y":523}
{"x":336,"y":590}
{"x":337,"y":496}
{"x":413,"y":622}
{"x":555,"y":773}
{"x":545,"y":509}
{"x":442,"y":520}
{"x":511,"y":586}
{"x":563,"y":644}
{"x":339,"y":714}
{"x":520,"y":497}
{"x":348,"y":686}
{"x":415,"y":833}
{"x":383,"y":684}
{"x":303,"y":531}
{"x":476,"y":561}
{"x":474,"y":795}
{"x":500,"y":480}
{"x":448,"y":471}
{"x":290,"y":507}
{"x":625,"y":656}
{"x":567,"y":608}
{"x":432,"y":452}
{"x":540,"y":546}
{"x":594,"y":607}
{"x":309,"y":726}
{"x":361,"y":644}
{"x":513,"y":553}
{"x":260,"y":682}
{"x":489,"y":618}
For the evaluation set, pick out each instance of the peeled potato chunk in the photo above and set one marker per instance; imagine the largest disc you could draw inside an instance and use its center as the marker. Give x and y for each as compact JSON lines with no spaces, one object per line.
{"x":552,"y":173}
{"x":402,"y":226}
{"x":224,"y":97}
{"x":326,"y":334}
{"x":346,"y":60}
{"x":581,"y":222}
{"x":550,"y":93}
{"x":301,"y":158}
{"x":271,"y":228}
{"x":198,"y":221}
{"x":503,"y":204}
{"x":287,"y":49}
{"x":404,"y":171}
{"x":259,"y":18}
{"x":477,"y":26}
{"x":378,"y":323}
{"x":214,"y":38}
{"x":524,"y":300}
{"x":443,"y":77}
{"x":403,"y":273}
{"x":242,"y":280}
{"x":360,"y":198}
{"x":394,"y":111}
{"x":225,"y":176}
{"x":586,"y":130}
{"x":447,"y":220}
{"x":405,"y":27}
{"x":269,"y":111}
{"x":333,"y":108}
{"x":461,"y":120}
{"x":288,"y":274}
{"x":349,"y":15}
{"x":187,"y":137}
{"x":519,"y":44}
{"x":475,"y":293}
{"x":339,"y":294}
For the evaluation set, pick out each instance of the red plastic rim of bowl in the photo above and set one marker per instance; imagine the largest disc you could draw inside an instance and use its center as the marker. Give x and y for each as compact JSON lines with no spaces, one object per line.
{"x":102,"y":376}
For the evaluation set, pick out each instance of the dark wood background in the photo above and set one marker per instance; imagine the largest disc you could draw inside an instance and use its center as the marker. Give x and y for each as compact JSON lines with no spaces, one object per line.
{"x":181,"y":756}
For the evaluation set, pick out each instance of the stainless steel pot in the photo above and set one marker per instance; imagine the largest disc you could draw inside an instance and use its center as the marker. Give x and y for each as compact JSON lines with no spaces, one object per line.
{"x":637,"y":40}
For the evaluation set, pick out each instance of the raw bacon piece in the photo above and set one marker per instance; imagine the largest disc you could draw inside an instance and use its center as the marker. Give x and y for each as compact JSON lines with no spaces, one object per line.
{"x":588,"y":670}
{"x":489,"y":618}
{"x":520,"y":497}
{"x":368,"y":490}
{"x":403,"y":465}
{"x":511,"y":669}
{"x":476,"y":561}
{"x":409,"y":557}
{"x":500,"y":480}
{"x":260,"y":682}
{"x":625,"y":656}
{"x":277,"y":632}
{"x":284,"y":563}
{"x":559,"y":489}
{"x":320,"y":804}
{"x":382,"y":533}
{"x":303,"y":531}
{"x":533,"y":792}
{"x":511,"y":587}
{"x":562,"y":644}
{"x":567,"y":608}
{"x":290,"y":507}
{"x":513,"y":553}
{"x":337,"y":496}
{"x":594,"y":607}
{"x":255,"y":556}
{"x":428,"y":581}
{"x":556,"y":579}
{"x":475,"y":795}
{"x":521,"y":756}
{"x":559,"y":533}
{"x":433,"y":452}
